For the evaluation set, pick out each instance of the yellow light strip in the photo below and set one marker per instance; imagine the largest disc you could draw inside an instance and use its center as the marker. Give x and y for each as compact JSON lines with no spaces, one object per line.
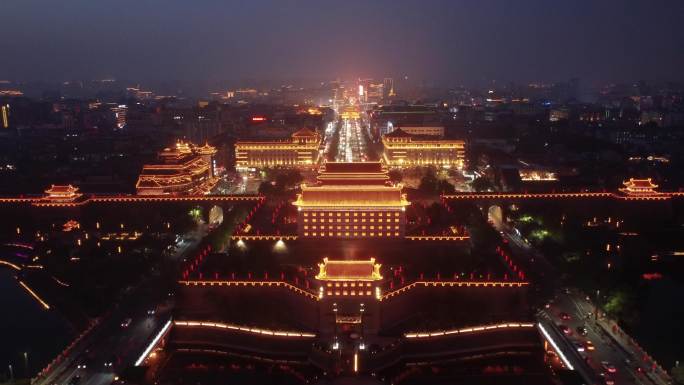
{"x":10,"y":264}
{"x":454,"y":284}
{"x":267,"y":332}
{"x":468,"y":330}
{"x":251,"y":284}
{"x":34,"y":295}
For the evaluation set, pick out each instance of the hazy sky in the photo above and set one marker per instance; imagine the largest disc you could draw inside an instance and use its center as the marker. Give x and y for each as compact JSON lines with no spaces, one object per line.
{"x":456,"y":40}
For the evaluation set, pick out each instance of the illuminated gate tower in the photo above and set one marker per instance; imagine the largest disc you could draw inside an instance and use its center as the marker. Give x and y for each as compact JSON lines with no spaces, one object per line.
{"x":349,"y":294}
{"x":352,"y":200}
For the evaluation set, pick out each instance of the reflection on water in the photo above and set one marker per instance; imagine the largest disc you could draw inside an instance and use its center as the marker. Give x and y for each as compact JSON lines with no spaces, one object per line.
{"x":26,"y":328}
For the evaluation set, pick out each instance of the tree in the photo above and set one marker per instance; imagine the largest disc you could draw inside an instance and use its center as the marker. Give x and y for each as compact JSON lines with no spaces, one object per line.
{"x":678,"y":374}
{"x":395,"y":176}
{"x":428,"y":183}
{"x":482,"y":184}
{"x":444,"y":187}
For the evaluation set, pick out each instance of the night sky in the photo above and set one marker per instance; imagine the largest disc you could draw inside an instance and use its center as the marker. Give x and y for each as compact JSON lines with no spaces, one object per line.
{"x":452,"y":40}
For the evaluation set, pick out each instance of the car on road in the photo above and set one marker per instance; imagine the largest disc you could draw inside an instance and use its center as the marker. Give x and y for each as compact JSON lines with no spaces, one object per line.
{"x":589,"y":345}
{"x":565,"y":329}
{"x":126,"y":322}
{"x":581,"y":330}
{"x":607,"y":366}
{"x":75,"y":380}
{"x":151,"y":311}
{"x":579,"y":346}
{"x":564,"y":316}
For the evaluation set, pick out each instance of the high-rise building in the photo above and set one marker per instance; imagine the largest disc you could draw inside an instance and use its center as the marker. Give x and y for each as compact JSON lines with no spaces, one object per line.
{"x":120,"y":115}
{"x":5,"y":112}
{"x":388,"y":87}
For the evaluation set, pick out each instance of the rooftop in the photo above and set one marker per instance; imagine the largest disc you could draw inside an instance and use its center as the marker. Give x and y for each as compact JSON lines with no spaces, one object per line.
{"x":356,"y":270}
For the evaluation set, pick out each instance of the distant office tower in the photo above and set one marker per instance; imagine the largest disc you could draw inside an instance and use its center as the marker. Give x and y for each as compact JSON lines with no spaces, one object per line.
{"x":5,"y":115}
{"x":388,"y":87}
{"x":120,"y":115}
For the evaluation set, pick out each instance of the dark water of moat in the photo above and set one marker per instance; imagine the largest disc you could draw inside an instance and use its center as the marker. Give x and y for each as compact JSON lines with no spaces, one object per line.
{"x":25,"y":327}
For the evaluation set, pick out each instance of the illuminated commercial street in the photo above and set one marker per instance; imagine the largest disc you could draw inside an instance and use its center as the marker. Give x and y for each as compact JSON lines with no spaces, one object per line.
{"x":352,"y":144}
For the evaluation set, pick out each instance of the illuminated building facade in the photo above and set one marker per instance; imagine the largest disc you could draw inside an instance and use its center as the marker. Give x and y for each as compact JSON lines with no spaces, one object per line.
{"x":184,"y":169}
{"x":352,"y":200}
{"x":437,"y":131}
{"x":300,"y":151}
{"x":349,"y":294}
{"x":402,"y":149}
{"x":120,"y":113}
{"x":641,"y":189}
{"x":62,"y":194}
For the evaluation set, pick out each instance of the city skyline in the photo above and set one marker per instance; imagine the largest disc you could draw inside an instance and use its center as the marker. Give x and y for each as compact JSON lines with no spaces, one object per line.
{"x":457,"y":42}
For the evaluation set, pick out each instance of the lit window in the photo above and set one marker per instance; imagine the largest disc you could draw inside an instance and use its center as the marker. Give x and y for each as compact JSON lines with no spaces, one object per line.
{"x":339,"y":234}
{"x":368,"y":293}
{"x":356,"y":227}
{"x":306,"y":234}
{"x":314,"y":214}
{"x":356,"y":214}
{"x":330,"y":234}
{"x":306,"y":214}
{"x":306,"y":227}
{"x":346,"y":234}
{"x":372,"y":220}
{"x":346,"y":214}
{"x":372,"y":214}
{"x":305,"y":220}
{"x":346,"y":221}
{"x":396,"y":220}
{"x":337,"y":284}
{"x":363,"y":220}
{"x":329,"y":292}
{"x":396,"y":227}
{"x":396,"y":214}
{"x":315,"y":234}
{"x":363,"y":214}
{"x":339,"y":214}
{"x":363,"y":234}
{"x":313,"y":227}
{"x":396,"y":234}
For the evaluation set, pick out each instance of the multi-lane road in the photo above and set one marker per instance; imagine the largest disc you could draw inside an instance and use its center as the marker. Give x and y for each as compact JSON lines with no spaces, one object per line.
{"x":352,"y":144}
{"x":586,"y":337}
{"x":114,"y":343}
